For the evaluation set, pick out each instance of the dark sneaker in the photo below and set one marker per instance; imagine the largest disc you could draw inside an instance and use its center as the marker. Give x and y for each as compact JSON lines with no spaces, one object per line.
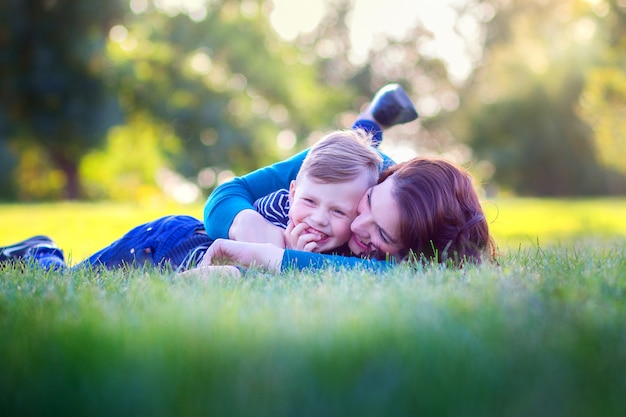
{"x":49,"y":257}
{"x":392,"y":106}
{"x":21,"y":249}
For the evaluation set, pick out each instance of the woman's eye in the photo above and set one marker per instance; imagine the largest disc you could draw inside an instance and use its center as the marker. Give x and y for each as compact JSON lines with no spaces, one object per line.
{"x":382,"y":236}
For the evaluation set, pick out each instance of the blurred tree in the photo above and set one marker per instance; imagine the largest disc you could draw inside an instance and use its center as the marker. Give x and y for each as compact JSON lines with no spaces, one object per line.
{"x":233,"y":92}
{"x":213,"y":72}
{"x":603,"y":106}
{"x":8,"y":163}
{"x":603,"y":101}
{"x":537,"y":144}
{"x":134,"y":153}
{"x":520,"y":108}
{"x":51,"y":66}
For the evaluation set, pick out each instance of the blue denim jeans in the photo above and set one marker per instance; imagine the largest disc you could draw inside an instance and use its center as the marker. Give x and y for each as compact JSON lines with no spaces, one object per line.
{"x":157,"y":243}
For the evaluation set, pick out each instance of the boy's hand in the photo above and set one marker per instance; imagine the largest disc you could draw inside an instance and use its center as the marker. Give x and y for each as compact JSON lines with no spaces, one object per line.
{"x":297,"y":238}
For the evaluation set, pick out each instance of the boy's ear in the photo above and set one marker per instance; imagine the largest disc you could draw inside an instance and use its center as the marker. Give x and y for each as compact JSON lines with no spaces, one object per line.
{"x":292,"y":190}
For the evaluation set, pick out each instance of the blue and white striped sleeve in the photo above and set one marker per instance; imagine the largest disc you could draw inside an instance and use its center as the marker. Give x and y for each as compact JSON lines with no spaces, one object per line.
{"x":274,"y":207}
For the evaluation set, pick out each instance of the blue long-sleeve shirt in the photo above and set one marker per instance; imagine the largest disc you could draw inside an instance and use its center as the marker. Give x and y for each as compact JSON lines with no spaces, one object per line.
{"x":240,"y":193}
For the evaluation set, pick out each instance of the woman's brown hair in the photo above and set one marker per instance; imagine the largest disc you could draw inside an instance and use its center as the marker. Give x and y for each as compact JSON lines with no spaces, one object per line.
{"x":441,"y":218}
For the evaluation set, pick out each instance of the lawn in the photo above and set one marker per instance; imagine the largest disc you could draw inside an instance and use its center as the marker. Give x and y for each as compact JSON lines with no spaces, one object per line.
{"x":542,"y":334}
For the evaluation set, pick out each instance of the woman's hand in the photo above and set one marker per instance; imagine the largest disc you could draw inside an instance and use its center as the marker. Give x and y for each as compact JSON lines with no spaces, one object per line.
{"x":251,"y":226}
{"x":297,"y":238}
{"x":263,"y":255}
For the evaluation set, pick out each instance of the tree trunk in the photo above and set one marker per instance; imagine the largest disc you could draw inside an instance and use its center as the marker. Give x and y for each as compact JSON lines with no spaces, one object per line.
{"x":70,"y":168}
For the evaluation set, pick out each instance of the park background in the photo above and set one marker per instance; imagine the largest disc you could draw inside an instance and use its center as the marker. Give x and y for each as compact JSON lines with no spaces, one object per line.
{"x":113,"y":113}
{"x":157,"y":101}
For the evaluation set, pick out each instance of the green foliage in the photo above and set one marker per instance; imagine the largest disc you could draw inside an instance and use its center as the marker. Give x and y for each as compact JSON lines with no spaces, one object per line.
{"x":603,"y":106}
{"x":38,"y":177}
{"x":52,"y":64}
{"x":226,"y":84}
{"x":126,"y":169}
{"x":522,"y":109}
{"x":537,"y":144}
{"x":543,"y":106}
{"x":542,"y":334}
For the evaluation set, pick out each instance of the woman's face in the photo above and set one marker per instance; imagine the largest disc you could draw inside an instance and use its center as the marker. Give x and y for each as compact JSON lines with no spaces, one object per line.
{"x":375,"y":230}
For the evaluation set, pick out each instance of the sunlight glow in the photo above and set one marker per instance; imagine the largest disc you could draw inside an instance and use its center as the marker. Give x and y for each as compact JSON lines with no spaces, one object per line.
{"x":286,"y":140}
{"x":138,"y":6}
{"x":200,"y":62}
{"x":599,"y":7}
{"x":118,"y":33}
{"x":371,"y":22}
{"x":583,"y":30}
{"x":293,"y":17}
{"x":195,"y":9}
{"x":207,"y":177}
{"x":177,"y":187}
{"x":224,"y":176}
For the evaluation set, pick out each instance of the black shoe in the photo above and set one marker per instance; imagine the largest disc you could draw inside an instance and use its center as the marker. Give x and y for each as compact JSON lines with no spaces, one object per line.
{"x":19,"y":250}
{"x":392,"y":106}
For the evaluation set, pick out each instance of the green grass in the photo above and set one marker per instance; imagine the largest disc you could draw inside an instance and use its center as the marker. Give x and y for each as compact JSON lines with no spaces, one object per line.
{"x":527,"y":222}
{"x":543,"y":334}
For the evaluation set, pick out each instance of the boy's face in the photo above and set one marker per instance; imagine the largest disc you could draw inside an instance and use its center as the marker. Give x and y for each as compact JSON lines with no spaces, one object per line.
{"x":328,"y":209}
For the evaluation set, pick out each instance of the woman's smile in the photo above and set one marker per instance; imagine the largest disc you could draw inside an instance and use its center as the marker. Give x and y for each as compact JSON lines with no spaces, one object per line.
{"x":359,"y":243}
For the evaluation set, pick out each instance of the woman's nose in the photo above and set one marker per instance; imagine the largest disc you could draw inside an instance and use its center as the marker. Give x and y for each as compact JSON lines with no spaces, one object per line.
{"x":357,"y":223}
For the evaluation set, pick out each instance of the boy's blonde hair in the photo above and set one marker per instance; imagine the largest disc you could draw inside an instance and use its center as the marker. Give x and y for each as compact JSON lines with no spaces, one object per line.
{"x":342,"y":156}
